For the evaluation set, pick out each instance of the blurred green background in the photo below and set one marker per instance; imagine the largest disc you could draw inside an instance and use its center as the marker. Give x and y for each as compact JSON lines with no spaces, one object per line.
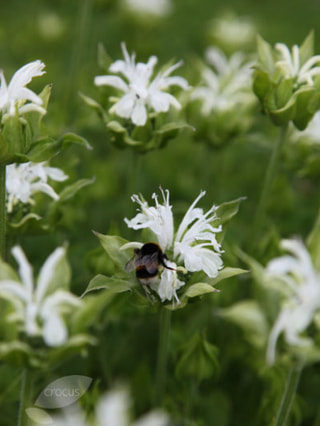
{"x":65,"y":36}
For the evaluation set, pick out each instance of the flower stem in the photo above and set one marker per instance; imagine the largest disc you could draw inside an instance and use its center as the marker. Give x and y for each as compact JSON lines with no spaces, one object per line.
{"x":288,"y":395}
{"x":269,"y":177}
{"x":2,"y":210}
{"x":161,"y":371}
{"x":25,"y":391}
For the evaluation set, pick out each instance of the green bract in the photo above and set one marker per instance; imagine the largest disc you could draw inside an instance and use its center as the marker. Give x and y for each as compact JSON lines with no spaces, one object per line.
{"x":287,"y":83}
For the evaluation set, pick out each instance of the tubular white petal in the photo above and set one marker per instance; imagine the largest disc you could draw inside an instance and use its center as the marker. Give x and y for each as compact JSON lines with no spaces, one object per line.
{"x":278,"y":327}
{"x":47,"y":272}
{"x":25,"y":269}
{"x":54,"y":331}
{"x":111,"y":80}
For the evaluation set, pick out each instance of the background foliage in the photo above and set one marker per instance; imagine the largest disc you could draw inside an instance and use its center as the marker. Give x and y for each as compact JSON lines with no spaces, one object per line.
{"x":65,"y":36}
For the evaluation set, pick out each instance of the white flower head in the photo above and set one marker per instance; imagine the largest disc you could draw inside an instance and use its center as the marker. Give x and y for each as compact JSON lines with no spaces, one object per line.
{"x":26,"y":179}
{"x":193,"y":246}
{"x":37,"y":306}
{"x":15,"y":95}
{"x":153,"y":8}
{"x":140,"y":92}
{"x":226,"y":83}
{"x":289,"y":63}
{"x":302,"y":286}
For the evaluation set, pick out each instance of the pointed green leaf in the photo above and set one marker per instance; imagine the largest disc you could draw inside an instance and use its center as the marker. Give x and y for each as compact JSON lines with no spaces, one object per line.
{"x":112,"y":284}
{"x":104,"y":60}
{"x":283,"y":92}
{"x":198,"y":289}
{"x":112,"y":245}
{"x":307,"y":48}
{"x":71,"y":138}
{"x":225,"y":273}
{"x":71,"y":190}
{"x":43,"y":149}
{"x":227,"y":210}
{"x":265,"y":55}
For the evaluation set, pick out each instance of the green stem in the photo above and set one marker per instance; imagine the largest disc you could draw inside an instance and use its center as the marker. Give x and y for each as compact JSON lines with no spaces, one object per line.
{"x":288,"y":395}
{"x":2,"y":210}
{"x":25,"y":390}
{"x":161,"y":371}
{"x":269,"y":177}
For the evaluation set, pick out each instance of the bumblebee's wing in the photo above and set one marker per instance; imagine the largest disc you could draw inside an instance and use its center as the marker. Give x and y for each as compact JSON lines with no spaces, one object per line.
{"x":131,"y":265}
{"x":150,"y":263}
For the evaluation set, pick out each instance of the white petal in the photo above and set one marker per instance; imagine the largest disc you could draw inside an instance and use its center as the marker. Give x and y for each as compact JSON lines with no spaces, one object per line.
{"x":139,"y":114}
{"x":25,"y":269}
{"x":47,"y":272}
{"x":45,"y":188}
{"x":275,"y":332}
{"x":55,"y":174}
{"x":24,"y":75}
{"x":54,"y":331}
{"x":111,"y":80}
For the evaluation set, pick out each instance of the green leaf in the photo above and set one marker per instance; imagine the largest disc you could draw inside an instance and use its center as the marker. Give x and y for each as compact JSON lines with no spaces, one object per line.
{"x":307,"y":48}
{"x":71,"y":190}
{"x":283,"y":92}
{"x":112,"y":284}
{"x":104,"y":60}
{"x":7,"y":273}
{"x":248,"y":315}
{"x":305,"y":107}
{"x":199,"y":360}
{"x":92,"y":103}
{"x":265,"y":55}
{"x":22,"y":222}
{"x":15,"y":353}
{"x":43,"y":149}
{"x":283,"y":115}
{"x":3,"y":149}
{"x":13,"y":134}
{"x":71,"y":138}
{"x":198,"y":289}
{"x":112,"y":244}
{"x":313,"y":243}
{"x":227,"y":210}
{"x":225,"y":273}
{"x":261,"y":84}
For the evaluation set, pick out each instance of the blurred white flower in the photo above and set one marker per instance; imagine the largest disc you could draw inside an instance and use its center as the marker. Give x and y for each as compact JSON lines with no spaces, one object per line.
{"x":156,"y":8}
{"x":233,"y":32}
{"x":289,"y":63}
{"x":140,"y":92}
{"x":112,"y":409}
{"x":39,"y":307}
{"x":194,"y":245}
{"x":14,"y":96}
{"x":302,"y":287}
{"x":227,"y":85}
{"x":26,"y":179}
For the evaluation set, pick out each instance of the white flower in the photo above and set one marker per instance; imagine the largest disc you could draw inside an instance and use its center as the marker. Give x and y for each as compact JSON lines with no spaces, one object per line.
{"x":233,"y":32}
{"x":140,"y":93}
{"x":112,"y":409}
{"x":24,"y":180}
{"x":38,"y":307}
{"x":194,"y":245}
{"x":227,"y":85}
{"x":290,"y":64}
{"x":302,"y":286}
{"x":16,"y":94}
{"x":156,"y":8}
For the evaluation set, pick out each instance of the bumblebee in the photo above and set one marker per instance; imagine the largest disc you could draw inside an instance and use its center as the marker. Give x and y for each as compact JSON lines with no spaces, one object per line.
{"x":147,"y":262}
